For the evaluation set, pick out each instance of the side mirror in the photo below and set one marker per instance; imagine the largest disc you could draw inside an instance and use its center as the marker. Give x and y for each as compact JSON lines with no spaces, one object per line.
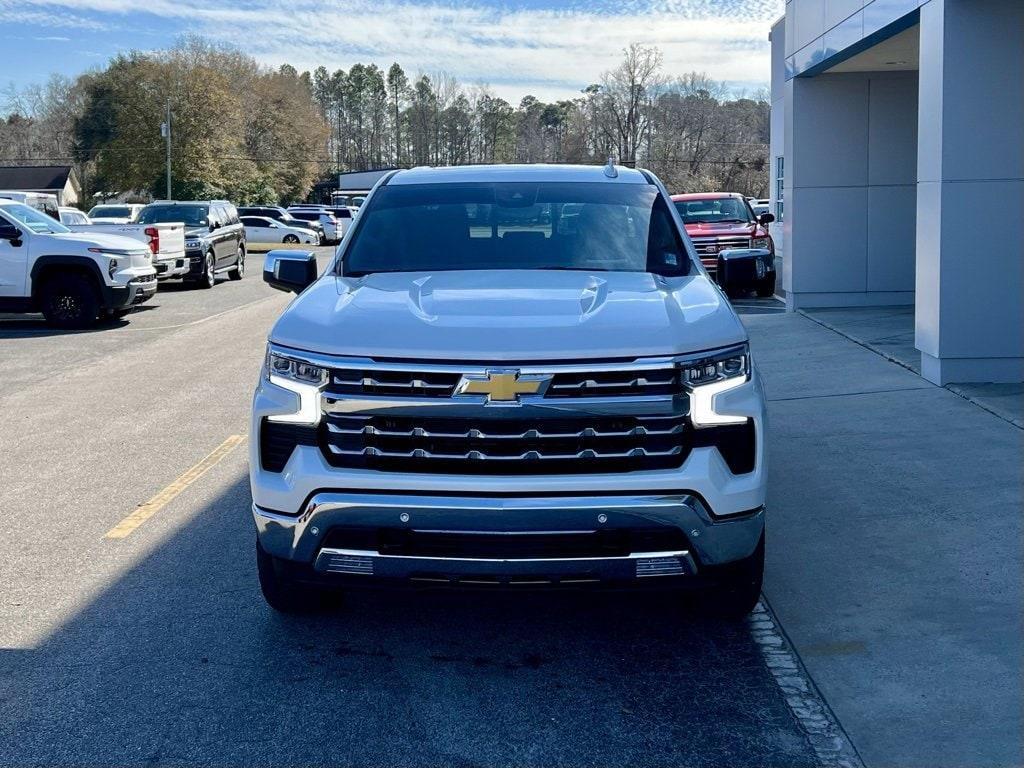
{"x":766,"y":218}
{"x":292,"y":271}
{"x":213,"y":225}
{"x":11,"y":233}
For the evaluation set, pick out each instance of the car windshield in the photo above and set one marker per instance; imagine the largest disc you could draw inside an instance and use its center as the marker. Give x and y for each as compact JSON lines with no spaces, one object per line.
{"x":713,"y":211}
{"x":191,"y":215}
{"x":577,"y":226}
{"x":38,"y":222}
{"x":110,"y":212}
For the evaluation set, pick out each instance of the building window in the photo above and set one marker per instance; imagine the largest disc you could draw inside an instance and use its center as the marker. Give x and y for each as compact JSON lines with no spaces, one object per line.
{"x":779,"y":174}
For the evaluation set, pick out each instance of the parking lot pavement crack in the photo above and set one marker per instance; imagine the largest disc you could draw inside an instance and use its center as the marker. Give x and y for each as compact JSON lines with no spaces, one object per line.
{"x":848,"y":394}
{"x":831,"y":744}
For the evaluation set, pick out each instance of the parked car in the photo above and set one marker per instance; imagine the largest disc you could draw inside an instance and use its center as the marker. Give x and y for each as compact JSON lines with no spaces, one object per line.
{"x":73,"y":278}
{"x":69,"y":216}
{"x":344,"y":215}
{"x":115,"y":213}
{"x":759,"y":206}
{"x":278,"y":214}
{"x":214,"y":237}
{"x":261,"y":229}
{"x":451,"y":404}
{"x":331,"y":229}
{"x":719,"y":221}
{"x":41,"y":201}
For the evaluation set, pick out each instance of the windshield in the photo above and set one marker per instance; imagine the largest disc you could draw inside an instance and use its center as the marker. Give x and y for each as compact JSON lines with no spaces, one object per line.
{"x":38,"y":222}
{"x":713,"y":211}
{"x":580,"y":226}
{"x":110,"y":212}
{"x":191,"y":215}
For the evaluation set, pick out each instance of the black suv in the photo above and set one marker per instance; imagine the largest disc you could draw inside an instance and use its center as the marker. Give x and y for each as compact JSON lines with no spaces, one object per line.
{"x":214,"y":237}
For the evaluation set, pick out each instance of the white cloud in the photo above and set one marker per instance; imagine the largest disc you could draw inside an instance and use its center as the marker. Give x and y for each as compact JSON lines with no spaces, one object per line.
{"x":550,"y":52}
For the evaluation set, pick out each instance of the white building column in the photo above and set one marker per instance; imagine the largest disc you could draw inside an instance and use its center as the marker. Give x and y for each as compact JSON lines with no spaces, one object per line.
{"x":970,"y":191}
{"x":850,"y":189}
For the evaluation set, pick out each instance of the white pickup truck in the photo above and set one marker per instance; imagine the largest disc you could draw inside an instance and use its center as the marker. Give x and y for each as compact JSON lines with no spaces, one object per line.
{"x":166,"y":243}
{"x":73,"y":277}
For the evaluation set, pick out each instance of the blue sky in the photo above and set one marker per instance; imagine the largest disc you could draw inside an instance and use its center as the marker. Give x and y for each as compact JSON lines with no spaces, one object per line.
{"x":547,"y":48}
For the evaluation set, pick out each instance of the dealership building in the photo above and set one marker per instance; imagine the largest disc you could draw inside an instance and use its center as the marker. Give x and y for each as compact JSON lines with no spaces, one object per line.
{"x":898,"y":170}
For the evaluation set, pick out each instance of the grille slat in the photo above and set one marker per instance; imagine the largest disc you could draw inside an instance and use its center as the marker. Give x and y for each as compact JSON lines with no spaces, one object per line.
{"x":411,"y":383}
{"x":530,"y":434}
{"x":586,"y":453}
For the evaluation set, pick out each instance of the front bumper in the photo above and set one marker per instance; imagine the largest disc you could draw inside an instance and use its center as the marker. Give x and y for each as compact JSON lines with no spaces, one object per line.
{"x":705,"y":541}
{"x":138,"y":290}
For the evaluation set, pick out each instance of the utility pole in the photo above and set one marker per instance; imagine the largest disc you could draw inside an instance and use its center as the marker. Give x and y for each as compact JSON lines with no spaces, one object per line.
{"x":165,"y":131}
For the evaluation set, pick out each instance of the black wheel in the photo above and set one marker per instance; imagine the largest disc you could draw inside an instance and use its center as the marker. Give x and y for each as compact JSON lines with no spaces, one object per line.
{"x":209,"y":278}
{"x":70,"y":301}
{"x":282,"y":593}
{"x":766,"y":288}
{"x":737,"y":587}
{"x":292,"y":239}
{"x":239,"y":271}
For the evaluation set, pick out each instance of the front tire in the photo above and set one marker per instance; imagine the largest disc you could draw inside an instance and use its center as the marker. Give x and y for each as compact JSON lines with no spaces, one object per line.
{"x":290,"y":239}
{"x":239,"y":271}
{"x":737,"y":587}
{"x":281,"y":592}
{"x":209,"y":278}
{"x":766,"y":288}
{"x":70,"y":302}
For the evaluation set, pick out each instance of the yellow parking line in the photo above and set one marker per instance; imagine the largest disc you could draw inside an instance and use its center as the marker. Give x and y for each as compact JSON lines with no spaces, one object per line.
{"x":167,"y":495}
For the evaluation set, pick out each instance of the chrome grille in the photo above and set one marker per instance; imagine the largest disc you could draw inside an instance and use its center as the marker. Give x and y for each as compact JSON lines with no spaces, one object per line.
{"x":583,"y":443}
{"x":611,"y":383}
{"x":708,"y":247}
{"x":399,"y":383}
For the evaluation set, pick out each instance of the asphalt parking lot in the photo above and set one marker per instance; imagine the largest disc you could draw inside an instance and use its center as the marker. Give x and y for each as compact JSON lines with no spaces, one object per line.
{"x":156,"y":647}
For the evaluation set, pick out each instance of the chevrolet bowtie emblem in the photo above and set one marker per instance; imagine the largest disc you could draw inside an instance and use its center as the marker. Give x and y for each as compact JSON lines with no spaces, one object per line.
{"x":502,"y":386}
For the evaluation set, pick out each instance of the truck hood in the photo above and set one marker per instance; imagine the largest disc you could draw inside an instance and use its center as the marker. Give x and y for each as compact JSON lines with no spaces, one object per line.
{"x":84,"y":239}
{"x":511,"y":315}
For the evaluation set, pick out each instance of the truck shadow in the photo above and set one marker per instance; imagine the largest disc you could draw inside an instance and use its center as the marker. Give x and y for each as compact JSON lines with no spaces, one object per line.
{"x":180,"y":661}
{"x":20,"y":326}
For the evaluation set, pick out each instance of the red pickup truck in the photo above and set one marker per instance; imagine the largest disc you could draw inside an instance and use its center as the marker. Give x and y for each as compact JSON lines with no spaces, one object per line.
{"x":716,"y":221}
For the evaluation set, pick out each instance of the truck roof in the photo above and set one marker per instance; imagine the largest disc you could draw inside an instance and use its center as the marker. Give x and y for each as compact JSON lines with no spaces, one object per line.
{"x":504,"y":173}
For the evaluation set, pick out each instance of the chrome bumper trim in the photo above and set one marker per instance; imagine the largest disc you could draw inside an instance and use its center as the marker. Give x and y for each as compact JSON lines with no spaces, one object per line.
{"x":632,"y":566}
{"x":713,"y":540}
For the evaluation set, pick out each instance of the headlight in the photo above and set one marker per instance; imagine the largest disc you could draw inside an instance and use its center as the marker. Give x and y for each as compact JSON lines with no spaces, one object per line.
{"x":295,"y":370}
{"x":191,"y":243}
{"x":707,"y":377}
{"x":304,"y":379}
{"x":759,"y":242}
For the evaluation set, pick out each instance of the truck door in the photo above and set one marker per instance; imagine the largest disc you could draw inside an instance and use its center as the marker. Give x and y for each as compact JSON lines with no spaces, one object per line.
{"x":13,"y":261}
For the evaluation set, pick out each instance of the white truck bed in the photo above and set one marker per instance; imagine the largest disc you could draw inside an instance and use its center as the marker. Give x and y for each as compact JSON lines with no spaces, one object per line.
{"x":165,"y":241}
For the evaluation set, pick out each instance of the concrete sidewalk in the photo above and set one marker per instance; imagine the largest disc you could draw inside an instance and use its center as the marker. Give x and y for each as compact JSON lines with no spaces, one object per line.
{"x":889,"y":331}
{"x":895,"y":549}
